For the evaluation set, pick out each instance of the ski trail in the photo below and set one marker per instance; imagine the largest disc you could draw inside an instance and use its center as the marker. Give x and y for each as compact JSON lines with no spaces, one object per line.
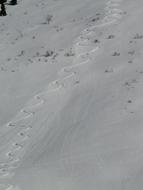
{"x":68,"y":77}
{"x":59,"y":83}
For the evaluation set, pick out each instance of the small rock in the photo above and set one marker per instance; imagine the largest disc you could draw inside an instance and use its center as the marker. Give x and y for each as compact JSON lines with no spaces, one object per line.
{"x":96,"y":41}
{"x":111,"y":36}
{"x":116,"y":54}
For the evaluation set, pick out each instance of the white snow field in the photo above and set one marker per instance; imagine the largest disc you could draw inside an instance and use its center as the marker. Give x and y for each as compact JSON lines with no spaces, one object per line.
{"x":71,"y":88}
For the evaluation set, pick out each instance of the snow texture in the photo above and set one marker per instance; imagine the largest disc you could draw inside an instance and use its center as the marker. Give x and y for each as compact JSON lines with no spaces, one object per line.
{"x":71,"y":78}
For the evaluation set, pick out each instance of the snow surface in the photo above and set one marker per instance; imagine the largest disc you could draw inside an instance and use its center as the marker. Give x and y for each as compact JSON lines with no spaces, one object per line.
{"x":71,"y":78}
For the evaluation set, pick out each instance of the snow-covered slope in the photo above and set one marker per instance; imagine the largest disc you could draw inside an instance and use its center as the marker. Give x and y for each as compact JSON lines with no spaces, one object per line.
{"x":71,"y":95}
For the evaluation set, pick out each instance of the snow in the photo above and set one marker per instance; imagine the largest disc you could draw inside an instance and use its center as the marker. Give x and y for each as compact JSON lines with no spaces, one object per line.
{"x":71,"y":79}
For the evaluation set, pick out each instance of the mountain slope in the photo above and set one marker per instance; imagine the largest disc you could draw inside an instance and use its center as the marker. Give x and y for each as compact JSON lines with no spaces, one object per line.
{"x":74,"y":96}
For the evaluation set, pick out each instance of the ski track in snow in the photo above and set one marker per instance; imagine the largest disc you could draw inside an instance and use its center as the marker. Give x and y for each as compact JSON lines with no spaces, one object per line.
{"x":84,"y":51}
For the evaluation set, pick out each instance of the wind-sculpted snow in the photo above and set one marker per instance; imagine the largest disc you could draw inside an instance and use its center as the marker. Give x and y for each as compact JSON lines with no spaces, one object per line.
{"x":19,"y":128}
